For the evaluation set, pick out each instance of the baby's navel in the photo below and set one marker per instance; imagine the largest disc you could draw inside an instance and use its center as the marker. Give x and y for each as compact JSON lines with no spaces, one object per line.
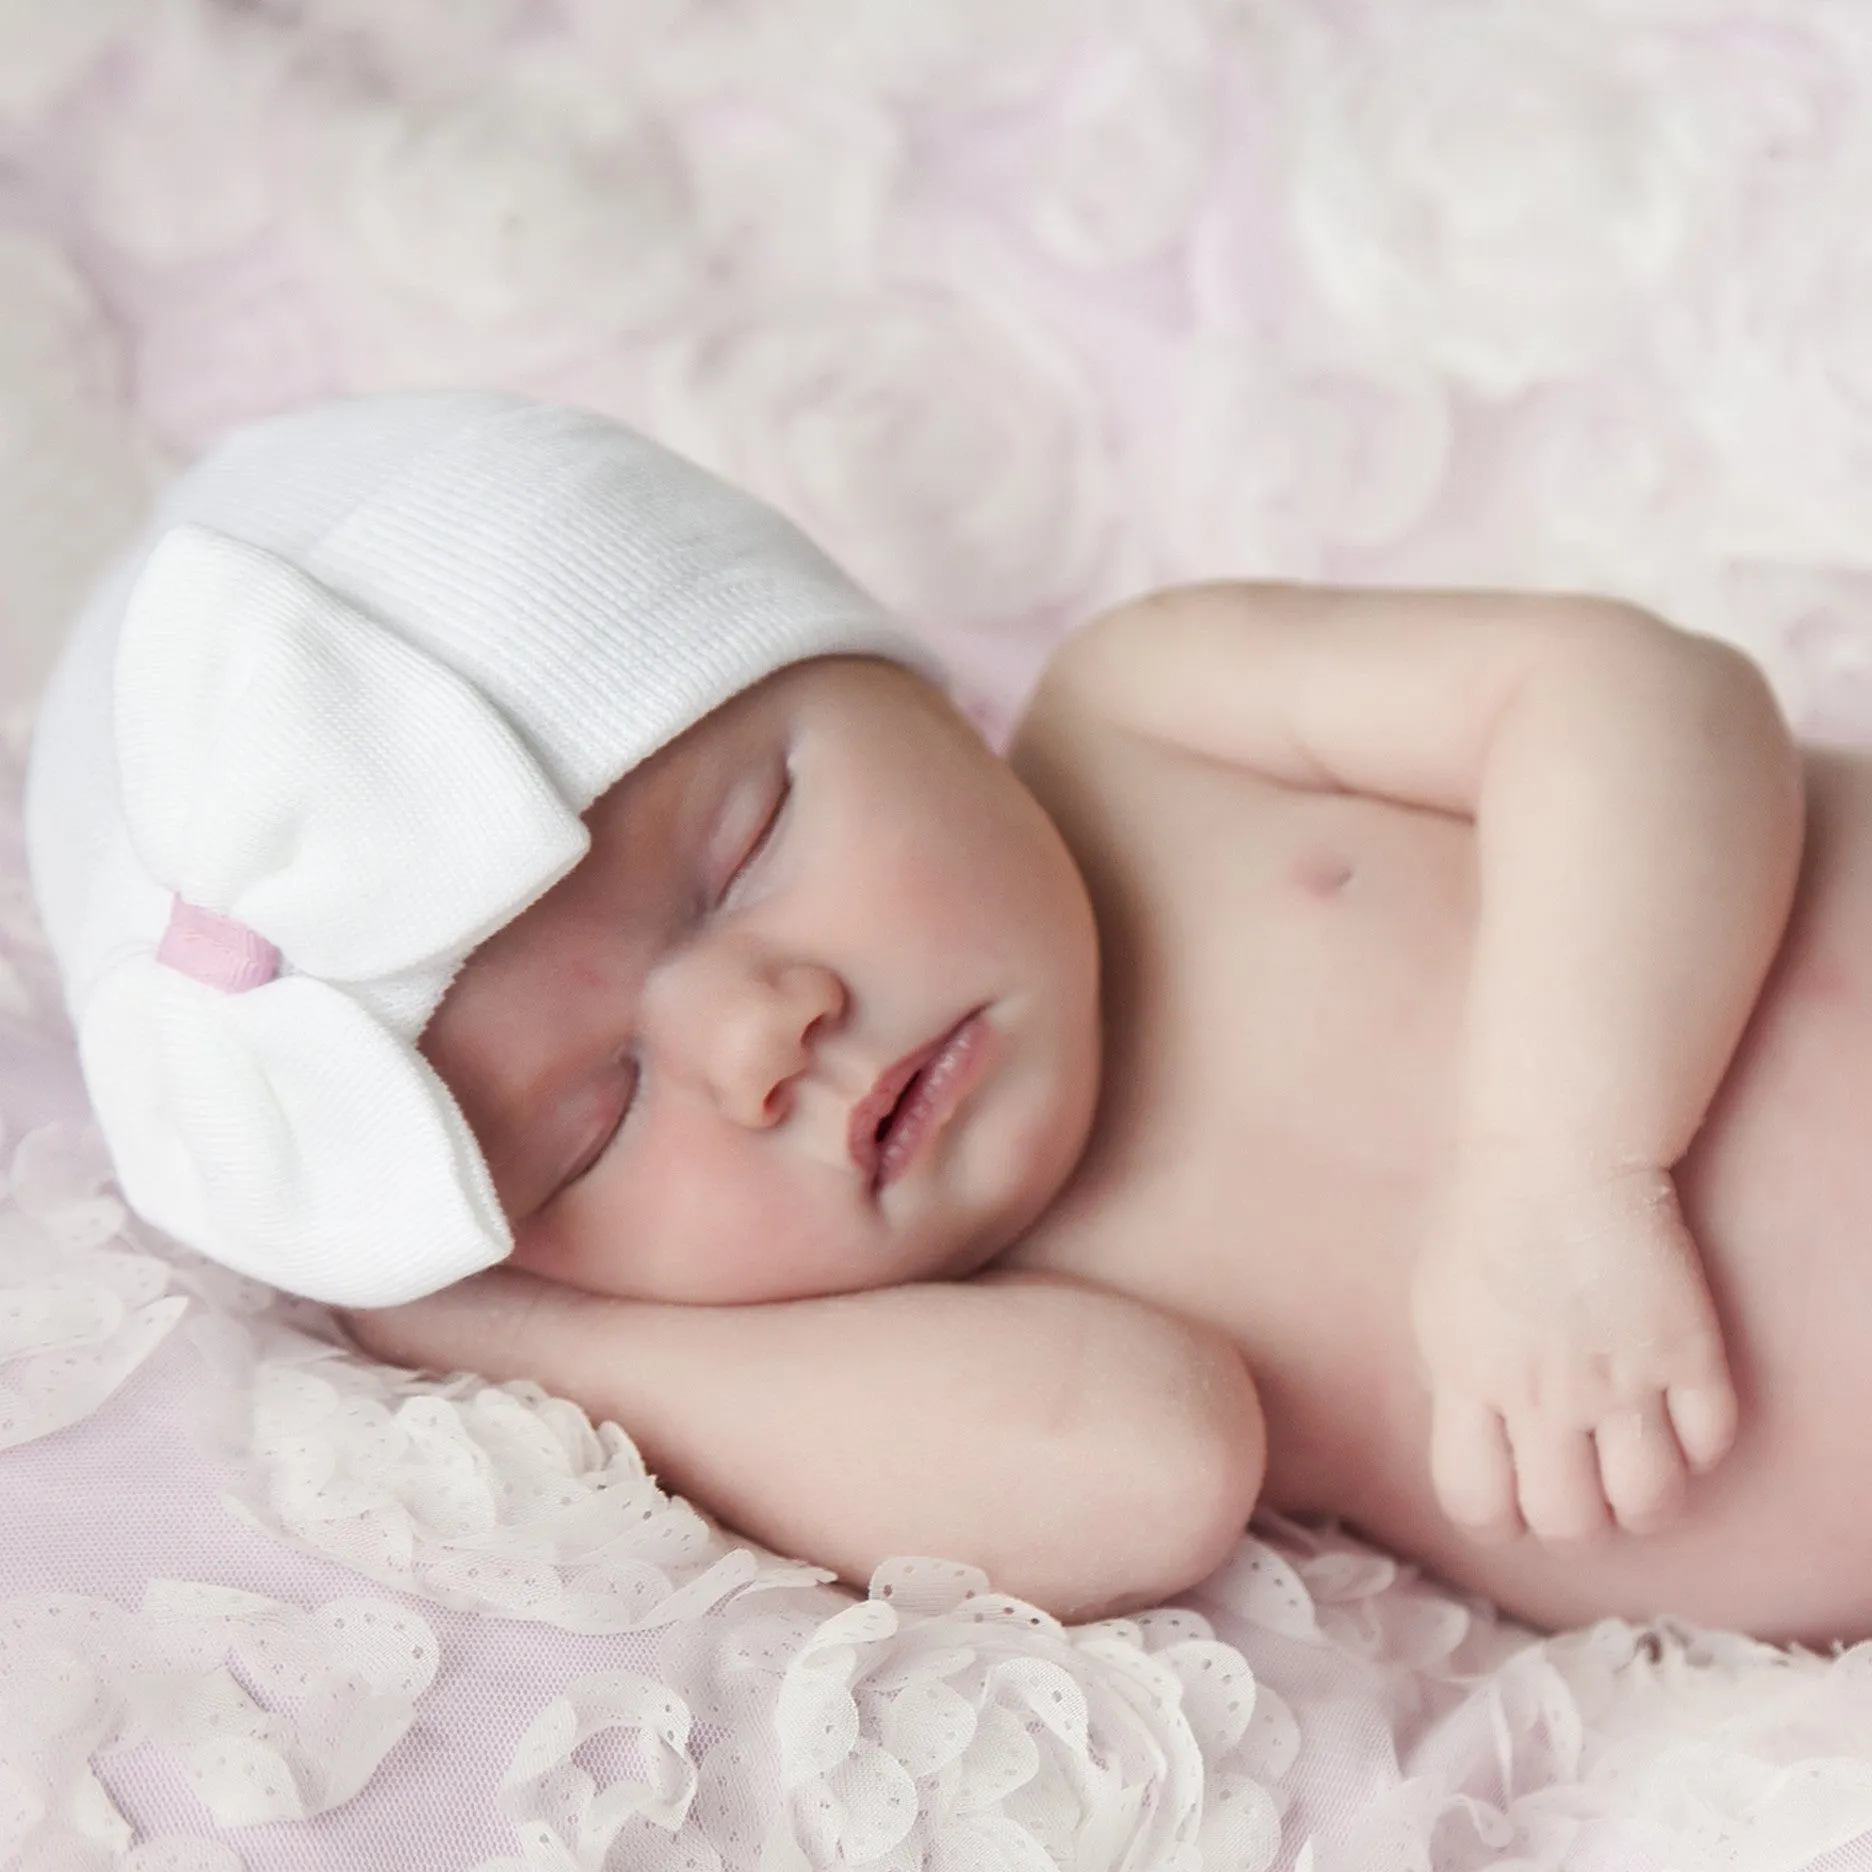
{"x":1321,"y":872}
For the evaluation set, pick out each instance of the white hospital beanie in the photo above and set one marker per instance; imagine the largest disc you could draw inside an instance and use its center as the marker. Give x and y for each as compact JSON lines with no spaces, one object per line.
{"x":329,"y":726}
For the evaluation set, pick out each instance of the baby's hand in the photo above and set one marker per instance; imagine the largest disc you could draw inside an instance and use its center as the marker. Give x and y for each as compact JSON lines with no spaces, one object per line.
{"x":1573,"y":1354}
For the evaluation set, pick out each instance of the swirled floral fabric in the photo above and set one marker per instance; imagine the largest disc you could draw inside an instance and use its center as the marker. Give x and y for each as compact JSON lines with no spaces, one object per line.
{"x":1018,"y":306}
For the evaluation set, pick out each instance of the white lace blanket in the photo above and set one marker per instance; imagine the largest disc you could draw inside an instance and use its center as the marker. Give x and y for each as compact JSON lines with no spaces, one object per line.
{"x":1019,"y":305}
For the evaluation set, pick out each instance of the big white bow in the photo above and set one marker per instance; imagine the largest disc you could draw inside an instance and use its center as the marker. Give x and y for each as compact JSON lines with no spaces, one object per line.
{"x":293,"y":766}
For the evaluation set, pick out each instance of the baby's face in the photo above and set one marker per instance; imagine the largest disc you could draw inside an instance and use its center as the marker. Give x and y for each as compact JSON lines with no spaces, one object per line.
{"x":817,"y":1012}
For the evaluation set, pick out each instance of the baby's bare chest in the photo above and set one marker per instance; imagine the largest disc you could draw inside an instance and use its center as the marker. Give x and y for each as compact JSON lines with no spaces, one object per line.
{"x":1283,"y":975}
{"x":1284,"y":981}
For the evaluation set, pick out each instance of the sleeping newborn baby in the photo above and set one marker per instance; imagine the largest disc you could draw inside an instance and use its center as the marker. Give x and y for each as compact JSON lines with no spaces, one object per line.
{"x":1387,"y":1056}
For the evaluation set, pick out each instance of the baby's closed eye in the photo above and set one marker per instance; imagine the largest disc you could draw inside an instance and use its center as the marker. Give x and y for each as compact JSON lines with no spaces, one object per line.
{"x":745,"y":830}
{"x":593,"y":1117}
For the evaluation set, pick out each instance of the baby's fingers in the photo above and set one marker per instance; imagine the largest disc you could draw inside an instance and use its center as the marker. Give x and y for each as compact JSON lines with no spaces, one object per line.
{"x":1472,"y":1468}
{"x":1704,"y":1417}
{"x":1558,"y":1467}
{"x":1641,"y":1467}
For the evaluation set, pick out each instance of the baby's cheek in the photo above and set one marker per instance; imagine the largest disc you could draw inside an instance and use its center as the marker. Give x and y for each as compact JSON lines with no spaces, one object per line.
{"x":719,"y":1216}
{"x":884,"y":899}
{"x":636,"y":1225}
{"x":574,"y":1247}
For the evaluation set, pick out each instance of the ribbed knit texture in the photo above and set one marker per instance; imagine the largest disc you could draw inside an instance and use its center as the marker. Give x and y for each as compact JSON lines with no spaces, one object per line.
{"x":353,"y":691}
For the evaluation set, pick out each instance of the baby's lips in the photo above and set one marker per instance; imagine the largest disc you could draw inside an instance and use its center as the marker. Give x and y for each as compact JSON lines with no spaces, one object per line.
{"x":879,"y":1119}
{"x":870,"y":1113}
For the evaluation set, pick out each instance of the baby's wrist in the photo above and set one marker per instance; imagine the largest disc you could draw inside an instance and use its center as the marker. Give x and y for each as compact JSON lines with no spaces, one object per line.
{"x":1553,"y":1156}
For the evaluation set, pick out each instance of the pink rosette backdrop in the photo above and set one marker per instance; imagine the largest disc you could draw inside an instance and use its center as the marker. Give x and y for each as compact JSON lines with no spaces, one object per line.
{"x":1020,"y":306}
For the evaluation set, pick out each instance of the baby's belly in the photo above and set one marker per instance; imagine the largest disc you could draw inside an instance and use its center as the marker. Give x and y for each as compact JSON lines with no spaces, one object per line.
{"x":1287,"y":980}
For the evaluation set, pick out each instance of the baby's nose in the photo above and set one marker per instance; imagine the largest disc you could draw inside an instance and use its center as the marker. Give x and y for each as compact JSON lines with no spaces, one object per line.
{"x":763,"y":1035}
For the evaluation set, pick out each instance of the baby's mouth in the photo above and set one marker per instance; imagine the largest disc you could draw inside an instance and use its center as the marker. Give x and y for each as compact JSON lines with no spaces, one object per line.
{"x":911,"y":1099}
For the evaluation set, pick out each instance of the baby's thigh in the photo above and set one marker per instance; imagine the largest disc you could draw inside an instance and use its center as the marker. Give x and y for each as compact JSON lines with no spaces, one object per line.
{"x":1777,"y":1539}
{"x":1775,"y":1542}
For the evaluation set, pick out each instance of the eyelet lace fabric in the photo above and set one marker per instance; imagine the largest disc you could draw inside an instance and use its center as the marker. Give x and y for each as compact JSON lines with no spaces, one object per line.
{"x":501,"y":1500}
{"x":1021,"y":307}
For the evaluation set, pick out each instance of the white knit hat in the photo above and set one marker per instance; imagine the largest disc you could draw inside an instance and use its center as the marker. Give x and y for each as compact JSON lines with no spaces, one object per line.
{"x":330,"y":726}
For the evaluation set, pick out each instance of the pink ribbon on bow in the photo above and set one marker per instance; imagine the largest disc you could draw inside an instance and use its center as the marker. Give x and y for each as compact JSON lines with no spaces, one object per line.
{"x":216,"y":950}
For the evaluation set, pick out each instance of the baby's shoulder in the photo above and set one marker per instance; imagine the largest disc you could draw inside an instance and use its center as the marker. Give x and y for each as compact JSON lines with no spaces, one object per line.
{"x":1081,"y":684}
{"x":1077,"y":758}
{"x":1083,"y":746}
{"x":1074,"y":730}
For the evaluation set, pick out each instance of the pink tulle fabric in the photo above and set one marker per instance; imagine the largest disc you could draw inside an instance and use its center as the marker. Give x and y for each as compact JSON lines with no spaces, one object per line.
{"x":1020,"y":306}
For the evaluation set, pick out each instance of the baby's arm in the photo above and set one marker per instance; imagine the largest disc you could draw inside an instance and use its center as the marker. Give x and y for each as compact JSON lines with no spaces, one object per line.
{"x":1638,"y":812}
{"x":1088,"y":1452}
